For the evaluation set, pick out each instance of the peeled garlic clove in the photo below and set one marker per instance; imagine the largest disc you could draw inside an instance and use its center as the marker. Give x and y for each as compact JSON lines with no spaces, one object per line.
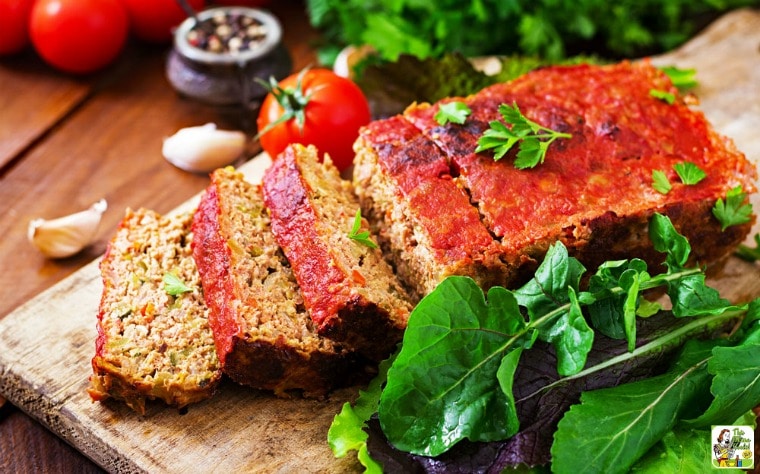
{"x":67,"y":235}
{"x":204,"y":148}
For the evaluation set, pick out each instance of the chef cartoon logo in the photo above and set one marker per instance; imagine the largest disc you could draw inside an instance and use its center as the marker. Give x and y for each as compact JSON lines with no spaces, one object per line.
{"x":733,"y":446}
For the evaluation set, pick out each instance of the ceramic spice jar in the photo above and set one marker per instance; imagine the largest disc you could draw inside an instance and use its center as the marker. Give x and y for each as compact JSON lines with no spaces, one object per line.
{"x":218,"y":55}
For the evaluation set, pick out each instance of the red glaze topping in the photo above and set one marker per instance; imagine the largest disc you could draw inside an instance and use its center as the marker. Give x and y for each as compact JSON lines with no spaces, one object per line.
{"x":422,"y":175}
{"x":620,"y":134}
{"x":325,"y":287}
{"x":212,"y":253}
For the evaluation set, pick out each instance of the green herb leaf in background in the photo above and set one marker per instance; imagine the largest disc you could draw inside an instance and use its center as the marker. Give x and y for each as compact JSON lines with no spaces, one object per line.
{"x":544,"y":28}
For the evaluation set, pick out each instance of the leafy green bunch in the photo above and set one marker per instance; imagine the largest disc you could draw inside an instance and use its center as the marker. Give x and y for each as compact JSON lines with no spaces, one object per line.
{"x":453,"y":377}
{"x":547,"y":28}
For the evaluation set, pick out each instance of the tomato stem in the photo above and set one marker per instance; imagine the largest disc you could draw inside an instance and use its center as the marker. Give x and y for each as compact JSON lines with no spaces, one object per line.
{"x":292,"y":100}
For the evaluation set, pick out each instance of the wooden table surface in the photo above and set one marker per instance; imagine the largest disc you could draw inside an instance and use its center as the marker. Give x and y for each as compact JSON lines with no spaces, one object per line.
{"x":66,"y":142}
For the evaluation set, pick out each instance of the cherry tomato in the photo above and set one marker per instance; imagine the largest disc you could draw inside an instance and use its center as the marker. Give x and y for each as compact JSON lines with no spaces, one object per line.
{"x":154,"y":20}
{"x":14,"y":21}
{"x":314,"y":107}
{"x":79,"y":36}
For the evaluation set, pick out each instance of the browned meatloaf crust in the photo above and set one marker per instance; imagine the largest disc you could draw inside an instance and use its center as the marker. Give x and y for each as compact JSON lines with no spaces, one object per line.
{"x":422,"y":216}
{"x":263,"y":333}
{"x":593,"y":192}
{"x":349,"y":289}
{"x":151,"y":344}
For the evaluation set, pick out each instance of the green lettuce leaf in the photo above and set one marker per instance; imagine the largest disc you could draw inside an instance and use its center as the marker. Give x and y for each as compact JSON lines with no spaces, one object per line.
{"x":611,"y":428}
{"x":448,"y":382}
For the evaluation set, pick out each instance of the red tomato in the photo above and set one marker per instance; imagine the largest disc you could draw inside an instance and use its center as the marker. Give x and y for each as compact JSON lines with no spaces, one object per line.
{"x":79,"y":36}
{"x":244,"y":3}
{"x":335,"y":110}
{"x":14,"y":21}
{"x":154,"y":20}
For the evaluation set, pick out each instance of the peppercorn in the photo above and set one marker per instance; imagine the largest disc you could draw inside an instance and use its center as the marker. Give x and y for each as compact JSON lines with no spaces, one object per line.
{"x":230,"y":33}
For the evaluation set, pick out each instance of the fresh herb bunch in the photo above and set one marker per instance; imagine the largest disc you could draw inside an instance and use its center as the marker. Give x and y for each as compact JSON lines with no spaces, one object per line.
{"x":548,"y":29}
{"x":453,"y":376}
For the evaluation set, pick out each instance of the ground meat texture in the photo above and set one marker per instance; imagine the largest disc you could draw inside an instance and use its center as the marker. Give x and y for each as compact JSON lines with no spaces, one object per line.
{"x":152,"y":345}
{"x":420,"y":212}
{"x":349,"y":289}
{"x":264,"y":335}
{"x":594,"y":191}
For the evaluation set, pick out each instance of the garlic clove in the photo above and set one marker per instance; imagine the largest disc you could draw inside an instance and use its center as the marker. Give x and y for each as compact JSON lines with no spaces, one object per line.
{"x":67,"y":235}
{"x":204,"y":148}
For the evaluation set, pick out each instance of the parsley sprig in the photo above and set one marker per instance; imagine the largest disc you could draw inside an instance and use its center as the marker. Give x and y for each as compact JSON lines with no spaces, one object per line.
{"x":733,"y":210}
{"x":454,"y":112}
{"x":533,"y":139}
{"x":360,"y":237}
{"x":174,"y":286}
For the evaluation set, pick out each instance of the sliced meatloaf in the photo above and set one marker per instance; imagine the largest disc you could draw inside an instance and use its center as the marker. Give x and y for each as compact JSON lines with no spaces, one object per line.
{"x":349,"y":289}
{"x":263,"y":333}
{"x":422,"y":216}
{"x":594,"y":191}
{"x":154,"y":340}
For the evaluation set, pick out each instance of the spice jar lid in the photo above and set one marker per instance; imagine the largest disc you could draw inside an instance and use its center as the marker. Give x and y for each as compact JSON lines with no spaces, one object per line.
{"x":272,"y":37}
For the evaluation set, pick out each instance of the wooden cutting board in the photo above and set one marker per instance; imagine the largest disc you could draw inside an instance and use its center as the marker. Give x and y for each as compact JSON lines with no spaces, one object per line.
{"x":46,"y":344}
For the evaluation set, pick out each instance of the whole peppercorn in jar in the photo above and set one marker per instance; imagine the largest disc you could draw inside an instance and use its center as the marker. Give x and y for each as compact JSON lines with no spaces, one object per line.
{"x":219,"y":54}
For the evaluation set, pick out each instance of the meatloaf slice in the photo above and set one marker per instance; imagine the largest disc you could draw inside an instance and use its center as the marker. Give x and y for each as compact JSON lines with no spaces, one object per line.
{"x":264,"y":335}
{"x":421,"y":214}
{"x":349,"y":289}
{"x":594,"y":190}
{"x":153,"y":342}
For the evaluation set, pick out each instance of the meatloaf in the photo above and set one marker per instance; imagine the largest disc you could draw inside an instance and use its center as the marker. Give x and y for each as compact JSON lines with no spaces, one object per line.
{"x":348,"y":288}
{"x":263,"y":333}
{"x":422,"y":216}
{"x":594,"y":191}
{"x":153,"y":342}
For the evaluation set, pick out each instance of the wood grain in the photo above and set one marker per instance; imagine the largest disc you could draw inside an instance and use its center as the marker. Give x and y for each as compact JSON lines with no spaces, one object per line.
{"x":46,"y":344}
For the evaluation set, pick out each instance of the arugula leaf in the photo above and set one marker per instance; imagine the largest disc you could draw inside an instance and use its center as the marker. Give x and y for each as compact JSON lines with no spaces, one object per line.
{"x":346,"y":433}
{"x":443,"y":386}
{"x":664,"y":96}
{"x":666,"y":239}
{"x":547,"y":290}
{"x":750,"y":254}
{"x":360,"y":237}
{"x":690,"y":296}
{"x":636,"y":415}
{"x":455,"y":112}
{"x":733,"y":211}
{"x":689,"y":173}
{"x":660,"y":182}
{"x":174,"y":286}
{"x":736,"y":381}
{"x":534,"y":139}
{"x":553,"y":291}
{"x":681,"y":451}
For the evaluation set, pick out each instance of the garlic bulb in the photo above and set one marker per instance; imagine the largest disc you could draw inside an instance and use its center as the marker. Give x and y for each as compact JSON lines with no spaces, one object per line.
{"x":204,"y":148}
{"x":67,"y":235}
